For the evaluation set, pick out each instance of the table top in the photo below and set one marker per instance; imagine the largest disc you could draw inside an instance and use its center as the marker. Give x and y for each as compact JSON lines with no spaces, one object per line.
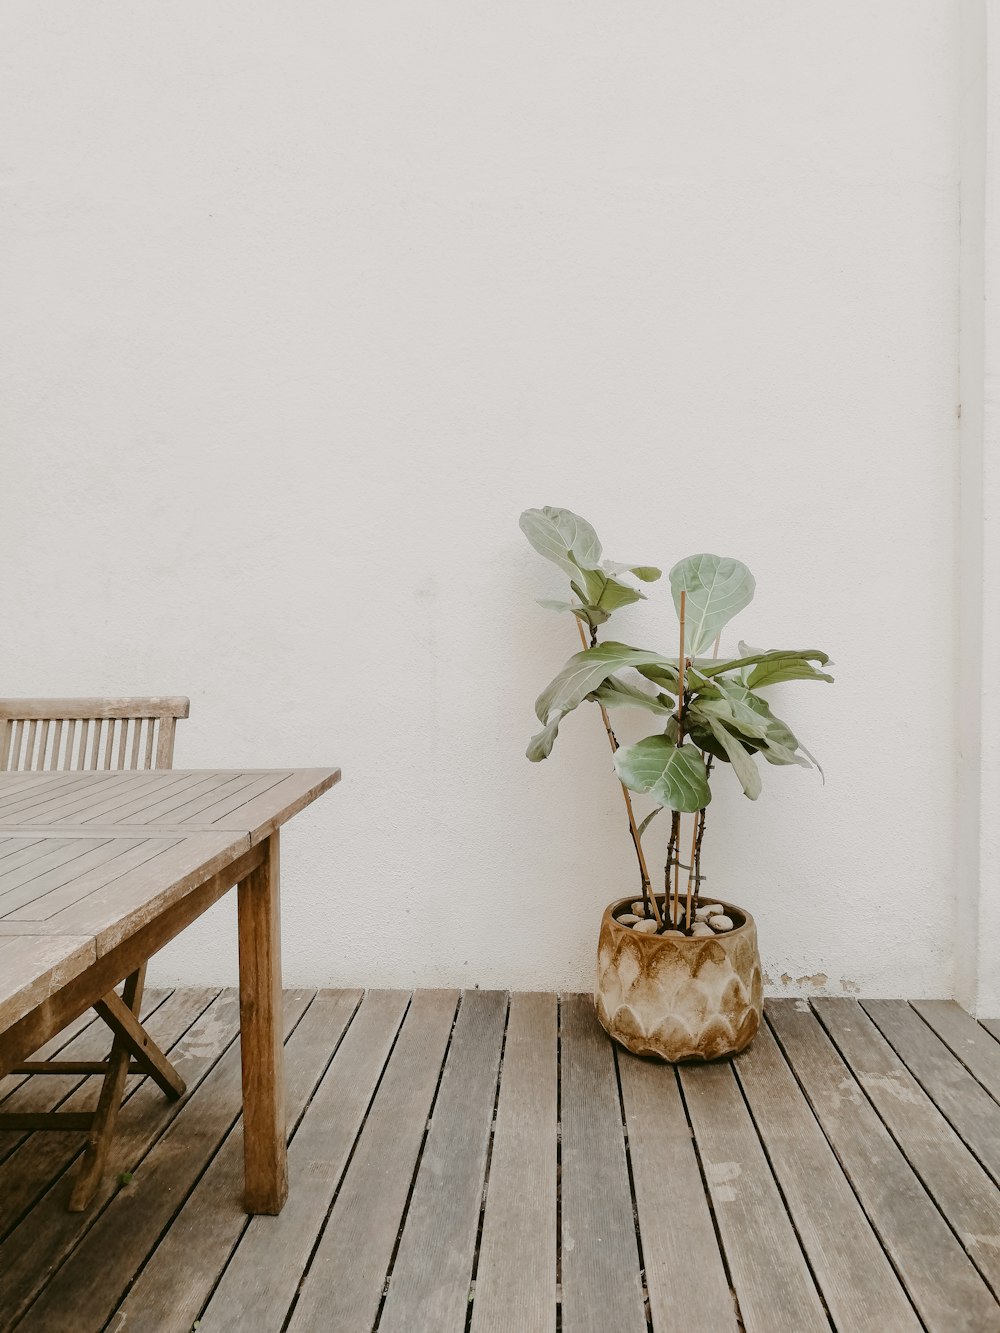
{"x":87,"y":859}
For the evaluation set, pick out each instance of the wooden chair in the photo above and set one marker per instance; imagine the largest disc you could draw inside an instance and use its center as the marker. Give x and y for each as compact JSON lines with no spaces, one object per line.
{"x":79,"y":734}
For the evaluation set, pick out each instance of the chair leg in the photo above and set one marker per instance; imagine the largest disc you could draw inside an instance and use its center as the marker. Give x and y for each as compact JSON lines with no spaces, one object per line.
{"x":102,"y":1129}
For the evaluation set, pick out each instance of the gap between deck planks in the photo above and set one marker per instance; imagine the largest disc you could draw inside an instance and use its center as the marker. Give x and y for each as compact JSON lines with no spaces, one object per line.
{"x":780,"y":1190}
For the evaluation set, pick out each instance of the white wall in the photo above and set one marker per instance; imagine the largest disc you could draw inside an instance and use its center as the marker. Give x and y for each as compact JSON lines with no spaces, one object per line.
{"x":304,"y":303}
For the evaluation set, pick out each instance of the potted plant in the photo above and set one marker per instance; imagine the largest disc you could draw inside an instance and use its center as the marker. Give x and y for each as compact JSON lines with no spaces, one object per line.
{"x":678,"y":975}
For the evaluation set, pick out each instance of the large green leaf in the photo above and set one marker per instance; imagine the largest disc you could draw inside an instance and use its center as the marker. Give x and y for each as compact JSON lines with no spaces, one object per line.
{"x":750,"y":657}
{"x":743,"y":766}
{"x":647,"y":573}
{"x":615,"y":693}
{"x":585,"y":671}
{"x":717,"y":588}
{"x":674,"y":776}
{"x":789,"y":668}
{"x":732,"y":710}
{"x":563,"y":537}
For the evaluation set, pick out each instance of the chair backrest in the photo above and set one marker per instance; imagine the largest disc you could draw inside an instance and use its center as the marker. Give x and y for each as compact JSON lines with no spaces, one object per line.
{"x":41,"y":734}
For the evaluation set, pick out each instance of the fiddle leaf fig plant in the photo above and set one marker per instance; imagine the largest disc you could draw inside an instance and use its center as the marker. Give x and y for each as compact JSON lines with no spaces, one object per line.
{"x":708,"y":710}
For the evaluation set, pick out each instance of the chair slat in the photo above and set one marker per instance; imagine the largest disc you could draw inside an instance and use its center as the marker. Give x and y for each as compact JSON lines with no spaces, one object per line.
{"x":150,"y":725}
{"x":61,"y":734}
{"x":56,"y":743}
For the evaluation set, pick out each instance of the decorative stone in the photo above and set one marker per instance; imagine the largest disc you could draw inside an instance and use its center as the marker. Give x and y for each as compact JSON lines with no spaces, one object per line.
{"x":711,"y":909}
{"x":674,"y":932}
{"x":702,"y":913}
{"x":679,"y":997}
{"x":627,"y":918}
{"x":702,"y":928}
{"x":639,"y":908}
{"x":721,"y":922}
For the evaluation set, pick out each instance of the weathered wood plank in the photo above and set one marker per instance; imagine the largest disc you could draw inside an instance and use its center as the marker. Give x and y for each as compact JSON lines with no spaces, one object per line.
{"x":86,"y":1289}
{"x":50,"y":1232}
{"x":32,"y":900}
{"x":516,"y":1274}
{"x":33,"y":967}
{"x":60,"y":890}
{"x":346,"y":1277}
{"x":948,"y":1293}
{"x":685,"y":1276}
{"x":856,"y":1279}
{"x":429,"y":1286}
{"x":768,"y":1270}
{"x":601,"y":1289}
{"x":261,"y":1281}
{"x":86,"y":1040}
{"x":185,"y":1267}
{"x":961,"y":1188}
{"x":968,"y":1107}
{"x":977,"y":1048}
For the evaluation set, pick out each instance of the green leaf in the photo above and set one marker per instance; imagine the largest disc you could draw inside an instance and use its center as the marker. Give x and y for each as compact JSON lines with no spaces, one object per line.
{"x":614,"y":693}
{"x":743,"y":766}
{"x":732,"y":713}
{"x":649,"y":819}
{"x":585,"y":671}
{"x":788,"y":668}
{"x":606,"y":593}
{"x":717,"y":588}
{"x":647,"y":573}
{"x":581,"y":612}
{"x":540,"y":745}
{"x":665,"y":676}
{"x":674,"y":776}
{"x":751,"y":656}
{"x":562,"y":537}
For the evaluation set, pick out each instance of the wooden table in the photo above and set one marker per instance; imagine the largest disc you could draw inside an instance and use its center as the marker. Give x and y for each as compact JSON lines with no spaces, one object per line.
{"x":100,"y":870}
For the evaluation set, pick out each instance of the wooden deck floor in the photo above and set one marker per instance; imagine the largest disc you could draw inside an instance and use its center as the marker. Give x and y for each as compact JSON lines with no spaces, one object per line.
{"x":492,"y":1164}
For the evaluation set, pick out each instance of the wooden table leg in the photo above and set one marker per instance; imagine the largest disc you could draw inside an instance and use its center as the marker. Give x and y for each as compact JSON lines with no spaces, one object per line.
{"x":264,"y":1156}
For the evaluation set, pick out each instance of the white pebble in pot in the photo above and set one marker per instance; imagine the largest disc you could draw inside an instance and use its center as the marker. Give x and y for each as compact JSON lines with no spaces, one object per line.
{"x":627,"y":919}
{"x":702,"y":928}
{"x":720,"y":922}
{"x":710,"y":910}
{"x":645,"y":927}
{"x":639,"y":908}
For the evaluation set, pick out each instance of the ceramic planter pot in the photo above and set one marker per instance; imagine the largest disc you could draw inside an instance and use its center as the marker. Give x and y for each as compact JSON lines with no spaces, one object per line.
{"x":676,"y":997}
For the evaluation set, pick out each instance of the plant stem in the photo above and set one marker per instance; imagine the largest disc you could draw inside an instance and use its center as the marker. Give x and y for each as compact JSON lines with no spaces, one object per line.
{"x":648,"y":897}
{"x":673,"y":856}
{"x":698,"y":830}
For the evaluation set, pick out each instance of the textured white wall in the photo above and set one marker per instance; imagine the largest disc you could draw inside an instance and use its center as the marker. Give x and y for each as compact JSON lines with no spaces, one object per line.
{"x":303,"y":305}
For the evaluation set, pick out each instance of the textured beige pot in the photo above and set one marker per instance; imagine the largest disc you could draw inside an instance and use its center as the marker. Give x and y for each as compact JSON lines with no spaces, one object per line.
{"x":676,"y":997}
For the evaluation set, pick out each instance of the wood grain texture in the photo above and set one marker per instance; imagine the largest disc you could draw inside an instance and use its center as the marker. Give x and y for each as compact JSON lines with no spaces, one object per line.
{"x":856,"y":1280}
{"x":516,"y":1274}
{"x":260,"y":1284}
{"x":945,"y":1288}
{"x":961,"y":1099}
{"x":264,"y":1157}
{"x":675,"y":1220}
{"x":970,"y":1041}
{"x":185,"y":1267}
{"x":962,"y":1189}
{"x":84,"y":1292}
{"x":600,"y":1259}
{"x":429,"y":1286}
{"x":344,"y":1283}
{"x":773,"y":1284}
{"x":34,"y":967}
{"x":41,"y":1242}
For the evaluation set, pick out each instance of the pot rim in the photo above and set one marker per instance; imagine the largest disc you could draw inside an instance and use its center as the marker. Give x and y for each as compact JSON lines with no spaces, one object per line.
{"x":748,"y":924}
